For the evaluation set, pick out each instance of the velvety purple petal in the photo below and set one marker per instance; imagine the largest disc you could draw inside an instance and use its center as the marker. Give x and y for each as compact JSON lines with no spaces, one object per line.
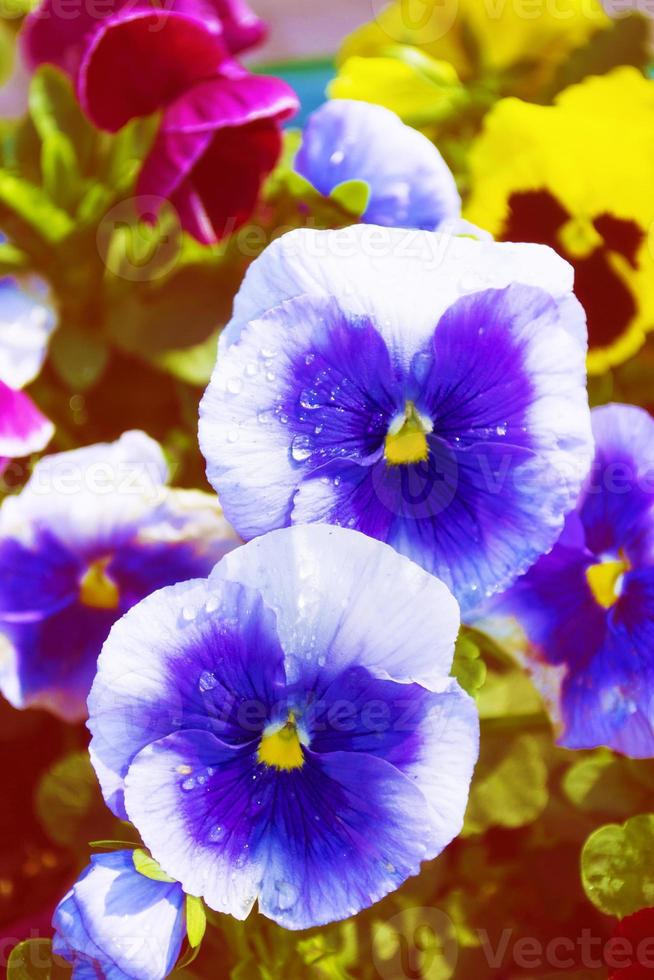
{"x":305,"y":384}
{"x":608,"y":699}
{"x":502,"y":383}
{"x":410,"y":184}
{"x":603,"y":670}
{"x":179,"y":51}
{"x":79,"y":508}
{"x":187,"y":657}
{"x":431,"y":737}
{"x":23,"y":428}
{"x":349,"y":829}
{"x":314,"y":844}
{"x":199,"y":806}
{"x":617,"y":508}
{"x":51,"y":663}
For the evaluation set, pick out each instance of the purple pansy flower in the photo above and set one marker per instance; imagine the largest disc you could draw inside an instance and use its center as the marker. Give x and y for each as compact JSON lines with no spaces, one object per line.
{"x":286,"y":731}
{"x":424,"y":389}
{"x":118,"y":924}
{"x":410,"y":184}
{"x":26,"y":321}
{"x":94,"y":531}
{"x":47,"y":36}
{"x":587,"y":608}
{"x":219,"y":135}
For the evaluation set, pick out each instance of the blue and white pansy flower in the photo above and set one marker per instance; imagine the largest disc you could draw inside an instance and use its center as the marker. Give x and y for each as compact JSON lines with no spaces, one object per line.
{"x":286,"y":731}
{"x":409,"y":185}
{"x":586,"y":609}
{"x":93,"y":531}
{"x":117,"y":924}
{"x":425,"y":389}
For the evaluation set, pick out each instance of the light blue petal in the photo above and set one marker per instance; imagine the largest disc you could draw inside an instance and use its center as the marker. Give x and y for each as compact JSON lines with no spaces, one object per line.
{"x":342,"y":598}
{"x":26,"y":321}
{"x":132,"y":926}
{"x":411,"y":185}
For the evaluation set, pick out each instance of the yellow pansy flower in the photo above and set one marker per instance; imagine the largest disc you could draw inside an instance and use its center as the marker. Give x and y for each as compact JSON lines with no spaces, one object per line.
{"x":418,"y":88}
{"x":482,"y":38}
{"x":577,"y":176}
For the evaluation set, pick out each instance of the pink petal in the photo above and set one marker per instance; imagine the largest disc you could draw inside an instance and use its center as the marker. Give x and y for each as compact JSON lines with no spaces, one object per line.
{"x":46,"y":36}
{"x":137,"y":63}
{"x":188,"y":127}
{"x":241,"y":27}
{"x":23,"y":428}
{"x":222,"y":190}
{"x":233,"y":98}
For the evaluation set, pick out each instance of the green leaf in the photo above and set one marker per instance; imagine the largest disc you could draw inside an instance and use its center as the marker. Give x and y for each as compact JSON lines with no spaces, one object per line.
{"x":61,"y":176}
{"x":34,"y":960}
{"x":468,"y":667}
{"x":196,"y":920}
{"x":604,"y":784}
{"x":353,"y":196}
{"x":617,"y":866}
{"x":78,"y":358}
{"x":146,"y":865}
{"x":55,"y":110}
{"x":194,"y":365}
{"x":510,"y":785}
{"x":31,"y":206}
{"x":12,"y":260}
{"x":69,"y":804}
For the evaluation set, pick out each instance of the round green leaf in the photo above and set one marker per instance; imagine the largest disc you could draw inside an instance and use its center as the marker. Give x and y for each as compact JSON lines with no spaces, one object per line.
{"x":34,"y":960}
{"x":617,"y":866}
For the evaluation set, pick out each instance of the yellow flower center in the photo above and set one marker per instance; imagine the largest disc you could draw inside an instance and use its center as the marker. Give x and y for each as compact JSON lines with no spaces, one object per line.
{"x":605,"y":581}
{"x":579,"y":237}
{"x":97,"y":589}
{"x":282,"y":749}
{"x":406,"y":441}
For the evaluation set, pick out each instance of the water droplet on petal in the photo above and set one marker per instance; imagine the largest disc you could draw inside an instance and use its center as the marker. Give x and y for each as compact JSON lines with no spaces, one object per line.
{"x":310,"y":399}
{"x":207,"y":681}
{"x":301,"y":448}
{"x":287,"y":894}
{"x":234,"y":386}
{"x":188,"y":784}
{"x":232,"y":436}
{"x":216,"y":834}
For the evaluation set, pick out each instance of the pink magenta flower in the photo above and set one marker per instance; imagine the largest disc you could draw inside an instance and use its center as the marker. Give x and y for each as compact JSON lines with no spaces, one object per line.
{"x":58,"y":34}
{"x":219,"y":135}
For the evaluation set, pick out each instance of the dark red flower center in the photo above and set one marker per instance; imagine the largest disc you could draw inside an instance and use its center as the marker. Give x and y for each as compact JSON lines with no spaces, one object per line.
{"x":537,"y":216}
